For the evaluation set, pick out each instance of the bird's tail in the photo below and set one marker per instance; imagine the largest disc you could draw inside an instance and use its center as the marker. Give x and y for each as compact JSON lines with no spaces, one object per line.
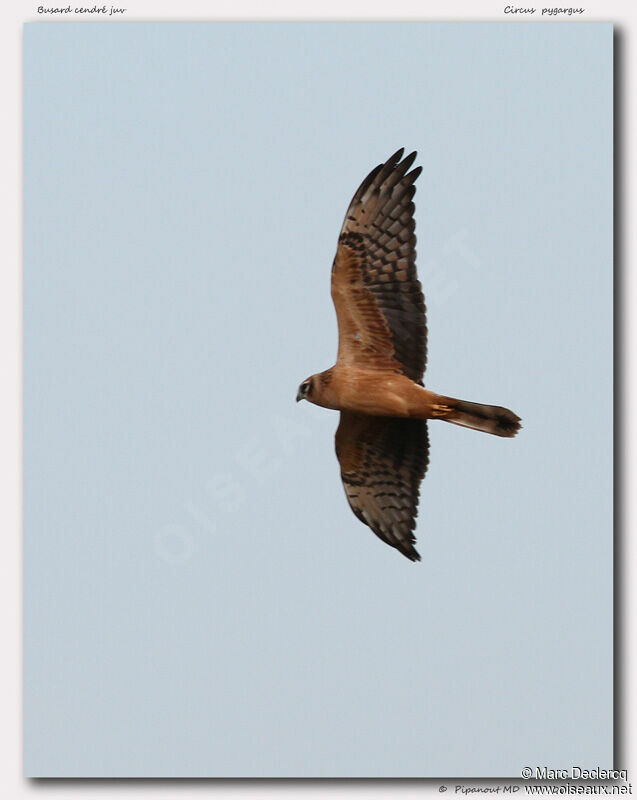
{"x":490,"y":419}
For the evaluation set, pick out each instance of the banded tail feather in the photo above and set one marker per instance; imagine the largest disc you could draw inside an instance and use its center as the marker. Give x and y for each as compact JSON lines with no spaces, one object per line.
{"x":489,"y":419}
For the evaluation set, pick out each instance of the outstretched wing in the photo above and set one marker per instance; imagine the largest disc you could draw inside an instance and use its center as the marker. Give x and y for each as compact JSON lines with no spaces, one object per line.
{"x":375,"y":288}
{"x":383,"y":461}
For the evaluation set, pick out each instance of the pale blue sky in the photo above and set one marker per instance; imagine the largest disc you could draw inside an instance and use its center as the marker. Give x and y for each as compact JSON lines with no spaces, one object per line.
{"x":199,"y":599}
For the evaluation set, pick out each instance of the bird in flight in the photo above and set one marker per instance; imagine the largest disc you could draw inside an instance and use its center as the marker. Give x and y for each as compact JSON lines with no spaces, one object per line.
{"x":382,"y":443}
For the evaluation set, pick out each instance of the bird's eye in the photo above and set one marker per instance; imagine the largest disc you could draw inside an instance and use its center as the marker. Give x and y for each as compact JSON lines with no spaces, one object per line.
{"x":306,"y":387}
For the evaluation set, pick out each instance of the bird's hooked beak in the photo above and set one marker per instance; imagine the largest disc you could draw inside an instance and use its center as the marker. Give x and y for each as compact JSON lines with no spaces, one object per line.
{"x":303,"y":391}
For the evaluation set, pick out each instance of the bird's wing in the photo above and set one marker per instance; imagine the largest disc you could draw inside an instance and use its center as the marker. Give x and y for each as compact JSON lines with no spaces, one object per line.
{"x":378,"y":297}
{"x":383,"y":461}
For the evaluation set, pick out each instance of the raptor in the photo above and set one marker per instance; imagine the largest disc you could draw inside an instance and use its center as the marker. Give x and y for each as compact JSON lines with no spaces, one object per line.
{"x":382,"y":442}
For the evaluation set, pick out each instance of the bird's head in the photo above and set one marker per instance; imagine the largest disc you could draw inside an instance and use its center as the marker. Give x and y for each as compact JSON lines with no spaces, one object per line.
{"x":306,"y":389}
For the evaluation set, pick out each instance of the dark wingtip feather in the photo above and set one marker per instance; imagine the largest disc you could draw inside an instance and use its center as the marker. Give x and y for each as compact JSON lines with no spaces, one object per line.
{"x":367,"y":182}
{"x":395,"y":167}
{"x":389,"y":166}
{"x":413,"y":175}
{"x":412,"y":554}
{"x":409,"y":160}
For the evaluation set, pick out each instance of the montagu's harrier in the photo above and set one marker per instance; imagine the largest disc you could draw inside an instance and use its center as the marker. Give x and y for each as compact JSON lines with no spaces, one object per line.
{"x":381,"y":442}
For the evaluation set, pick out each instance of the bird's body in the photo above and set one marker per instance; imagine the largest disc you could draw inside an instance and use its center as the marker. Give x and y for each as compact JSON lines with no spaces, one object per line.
{"x":387,"y":393}
{"x":382,"y":441}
